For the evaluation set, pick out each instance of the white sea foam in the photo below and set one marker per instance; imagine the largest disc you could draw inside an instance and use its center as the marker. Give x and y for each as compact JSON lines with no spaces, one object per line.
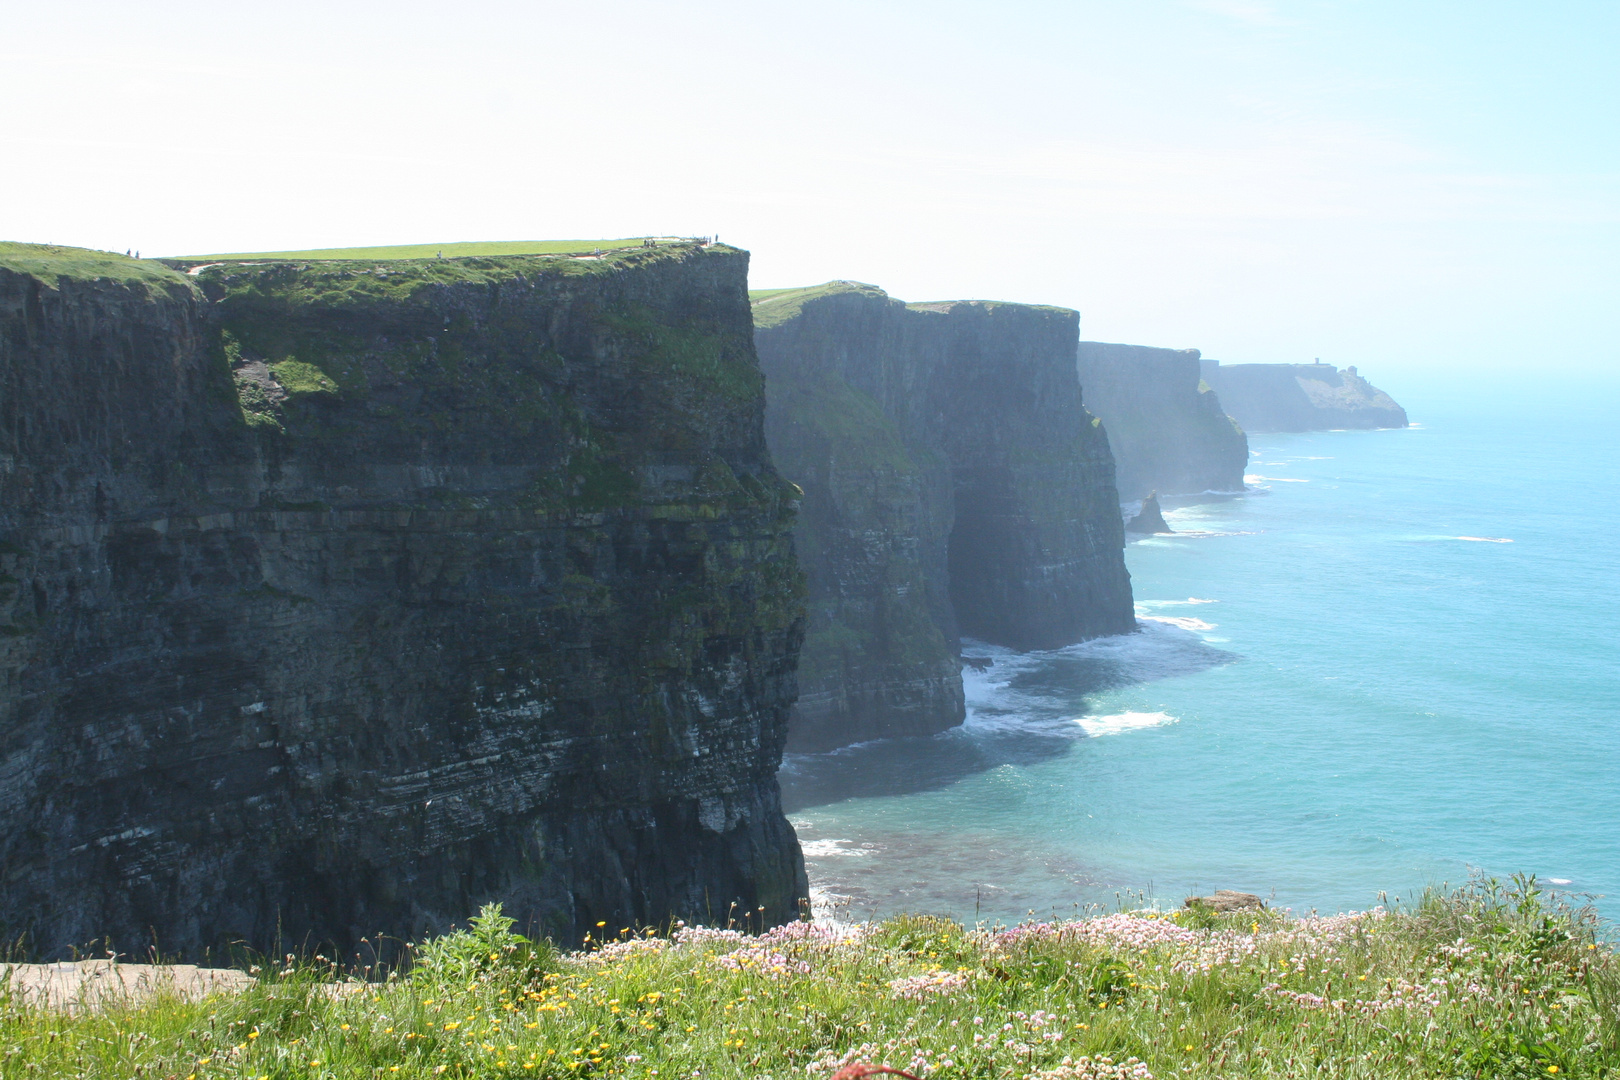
{"x":1186,"y":622}
{"x":1122,"y":722}
{"x":1559,"y":881}
{"x":1153,"y":605}
{"x":999,"y":701}
{"x":821,"y":849}
{"x":1255,"y":478}
{"x":1485,"y":539}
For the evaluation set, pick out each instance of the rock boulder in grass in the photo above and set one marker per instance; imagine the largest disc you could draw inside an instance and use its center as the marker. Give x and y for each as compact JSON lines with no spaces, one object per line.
{"x":1226,"y":900}
{"x":341,"y":598}
{"x":1149,"y":519}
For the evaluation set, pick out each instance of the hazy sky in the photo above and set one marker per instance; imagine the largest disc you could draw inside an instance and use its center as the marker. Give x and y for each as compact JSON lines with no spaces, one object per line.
{"x":1396,"y":184}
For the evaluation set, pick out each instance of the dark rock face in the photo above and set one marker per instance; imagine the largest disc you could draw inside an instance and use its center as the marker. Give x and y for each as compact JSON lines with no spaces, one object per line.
{"x":1166,"y":427}
{"x":1301,"y":397}
{"x":342,"y":598}
{"x":953,"y":484}
{"x":1149,"y":519}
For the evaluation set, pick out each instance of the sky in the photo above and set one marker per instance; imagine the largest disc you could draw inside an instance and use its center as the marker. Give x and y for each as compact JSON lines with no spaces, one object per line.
{"x":1414,"y":187}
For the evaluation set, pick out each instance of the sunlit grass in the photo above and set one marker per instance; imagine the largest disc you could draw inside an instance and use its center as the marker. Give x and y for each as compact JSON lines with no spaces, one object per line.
{"x":1486,"y":982}
{"x":487,"y":249}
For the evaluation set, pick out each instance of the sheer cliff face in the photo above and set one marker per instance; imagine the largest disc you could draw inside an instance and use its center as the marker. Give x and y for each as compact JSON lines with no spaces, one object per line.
{"x":953,"y":483}
{"x":1036,"y":549}
{"x":880,"y":653}
{"x":343,"y":598}
{"x":1301,"y":397}
{"x":1168,"y":430}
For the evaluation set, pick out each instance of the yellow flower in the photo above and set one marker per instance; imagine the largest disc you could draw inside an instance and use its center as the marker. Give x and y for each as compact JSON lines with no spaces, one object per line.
{"x":452,"y":1025}
{"x":1552,"y":1068}
{"x":343,"y":1027}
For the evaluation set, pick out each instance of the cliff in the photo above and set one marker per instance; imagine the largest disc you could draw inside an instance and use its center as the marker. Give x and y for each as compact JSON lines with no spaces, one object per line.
{"x":1301,"y":397}
{"x":1166,"y":427}
{"x":342,"y":597}
{"x":954,"y":484}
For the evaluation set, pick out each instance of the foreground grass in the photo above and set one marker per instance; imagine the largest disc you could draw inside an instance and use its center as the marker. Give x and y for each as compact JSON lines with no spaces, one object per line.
{"x":1487,"y":982}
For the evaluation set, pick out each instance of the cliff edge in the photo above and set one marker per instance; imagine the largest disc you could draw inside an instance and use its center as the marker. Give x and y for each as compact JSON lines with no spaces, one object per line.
{"x":1168,"y":430}
{"x":342,"y":597}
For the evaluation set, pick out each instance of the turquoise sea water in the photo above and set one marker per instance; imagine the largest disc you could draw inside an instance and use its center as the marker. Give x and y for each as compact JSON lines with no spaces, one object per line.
{"x":1334,"y":694}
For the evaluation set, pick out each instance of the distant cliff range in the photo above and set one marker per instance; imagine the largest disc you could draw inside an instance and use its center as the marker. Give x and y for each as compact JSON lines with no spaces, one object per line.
{"x":1168,"y":430}
{"x":1300,"y":397}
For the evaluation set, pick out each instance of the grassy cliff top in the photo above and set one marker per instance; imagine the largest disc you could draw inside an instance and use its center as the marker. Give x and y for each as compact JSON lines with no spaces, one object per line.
{"x":482,"y":248}
{"x":335,"y":282}
{"x":946,"y":305}
{"x":773,"y":307}
{"x":50,"y":263}
{"x":1490,"y":982}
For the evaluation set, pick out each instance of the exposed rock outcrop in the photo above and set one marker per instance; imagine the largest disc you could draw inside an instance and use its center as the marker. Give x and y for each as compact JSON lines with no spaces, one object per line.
{"x":340,"y":598}
{"x":1149,"y":519}
{"x":1167,"y":428}
{"x":1301,"y":397}
{"x":954,"y":484}
{"x":1226,"y":900}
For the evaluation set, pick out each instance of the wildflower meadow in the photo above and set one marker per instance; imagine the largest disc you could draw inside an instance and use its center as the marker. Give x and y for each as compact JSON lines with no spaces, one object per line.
{"x":1486,"y":981}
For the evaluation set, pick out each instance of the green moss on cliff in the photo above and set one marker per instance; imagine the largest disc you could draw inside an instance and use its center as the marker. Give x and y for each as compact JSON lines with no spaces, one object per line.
{"x":852,"y":426}
{"x":299,"y":378}
{"x":700,"y":356}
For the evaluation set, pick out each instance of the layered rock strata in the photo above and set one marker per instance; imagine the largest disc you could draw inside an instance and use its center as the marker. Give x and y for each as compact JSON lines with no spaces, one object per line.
{"x":1301,"y":397}
{"x":340,"y":598}
{"x":1168,"y":430}
{"x":954,"y":485}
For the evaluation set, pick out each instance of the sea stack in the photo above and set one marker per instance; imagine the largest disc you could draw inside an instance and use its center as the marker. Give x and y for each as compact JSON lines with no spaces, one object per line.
{"x":340,"y":598}
{"x":1148,"y":519}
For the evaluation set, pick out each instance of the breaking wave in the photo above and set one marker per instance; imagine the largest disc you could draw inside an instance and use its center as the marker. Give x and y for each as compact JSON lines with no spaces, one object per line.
{"x":1120,"y":722}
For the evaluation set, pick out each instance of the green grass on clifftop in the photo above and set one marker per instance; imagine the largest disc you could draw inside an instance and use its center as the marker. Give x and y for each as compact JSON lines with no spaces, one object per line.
{"x":487,"y":249}
{"x":50,"y":263}
{"x":1485,"y":982}
{"x":773,"y":307}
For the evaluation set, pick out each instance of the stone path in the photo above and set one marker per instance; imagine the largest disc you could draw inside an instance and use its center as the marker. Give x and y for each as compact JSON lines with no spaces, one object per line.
{"x":91,"y":984}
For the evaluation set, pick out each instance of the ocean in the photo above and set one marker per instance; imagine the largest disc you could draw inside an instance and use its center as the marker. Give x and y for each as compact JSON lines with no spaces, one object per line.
{"x":1387,"y":665}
